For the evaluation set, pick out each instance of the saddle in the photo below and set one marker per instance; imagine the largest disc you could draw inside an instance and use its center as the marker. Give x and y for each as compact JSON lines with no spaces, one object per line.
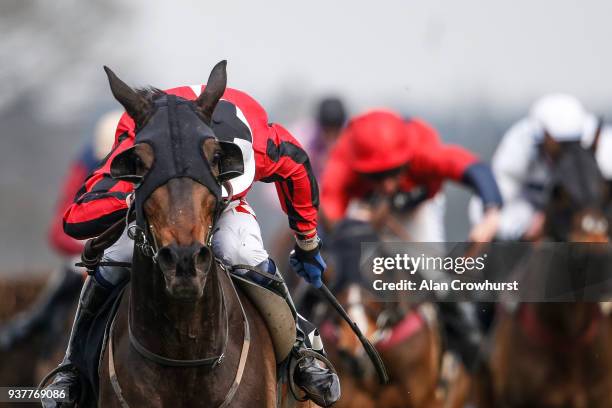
{"x":275,"y":312}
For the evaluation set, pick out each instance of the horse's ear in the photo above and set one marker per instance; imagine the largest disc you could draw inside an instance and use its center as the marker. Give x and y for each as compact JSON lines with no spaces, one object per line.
{"x":595,"y":144}
{"x":135,"y":105}
{"x":551,"y":147}
{"x":215,"y":87}
{"x":124,"y":166}
{"x":231,"y":164}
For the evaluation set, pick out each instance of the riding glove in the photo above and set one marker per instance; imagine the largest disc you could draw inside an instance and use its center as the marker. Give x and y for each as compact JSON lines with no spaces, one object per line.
{"x":308,"y":264}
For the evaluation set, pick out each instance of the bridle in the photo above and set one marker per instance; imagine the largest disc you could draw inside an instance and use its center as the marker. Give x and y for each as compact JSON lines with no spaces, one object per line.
{"x":146,"y":243}
{"x":145,"y":240}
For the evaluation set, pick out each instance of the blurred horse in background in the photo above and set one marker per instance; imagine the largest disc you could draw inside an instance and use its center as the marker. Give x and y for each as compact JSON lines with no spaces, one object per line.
{"x":25,"y":363}
{"x":406,"y":333}
{"x":558,"y":355}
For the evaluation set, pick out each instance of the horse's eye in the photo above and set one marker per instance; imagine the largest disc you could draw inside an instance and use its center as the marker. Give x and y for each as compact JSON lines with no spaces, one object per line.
{"x":141,"y":167}
{"x":216,"y":158}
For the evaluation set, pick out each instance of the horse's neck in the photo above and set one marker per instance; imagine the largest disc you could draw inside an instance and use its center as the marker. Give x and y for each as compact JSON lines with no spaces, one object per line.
{"x":566,"y":319}
{"x":183,"y":330}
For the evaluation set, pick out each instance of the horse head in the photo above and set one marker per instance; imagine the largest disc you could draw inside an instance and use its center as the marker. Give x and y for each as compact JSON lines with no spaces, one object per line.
{"x":178,"y":168}
{"x":578,"y":194}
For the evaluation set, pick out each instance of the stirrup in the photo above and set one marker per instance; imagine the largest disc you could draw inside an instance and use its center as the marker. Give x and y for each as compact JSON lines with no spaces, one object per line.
{"x":62,"y":367}
{"x":297,"y":355}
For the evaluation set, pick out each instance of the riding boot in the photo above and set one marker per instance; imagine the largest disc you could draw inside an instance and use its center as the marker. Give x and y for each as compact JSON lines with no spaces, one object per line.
{"x":58,"y":294}
{"x":320,"y":384}
{"x":92,"y":297}
{"x":462,"y":331}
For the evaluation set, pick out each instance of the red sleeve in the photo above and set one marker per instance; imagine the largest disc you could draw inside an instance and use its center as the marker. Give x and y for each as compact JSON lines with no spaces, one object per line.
{"x":286,"y":164}
{"x":335,"y":185}
{"x":442,"y":162}
{"x":101,"y":200}
{"x":58,"y":239}
{"x":434,"y":160}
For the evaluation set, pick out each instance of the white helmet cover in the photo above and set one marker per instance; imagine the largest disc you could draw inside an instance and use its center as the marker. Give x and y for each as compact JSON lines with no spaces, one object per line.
{"x":562,"y":116}
{"x":104,"y":133}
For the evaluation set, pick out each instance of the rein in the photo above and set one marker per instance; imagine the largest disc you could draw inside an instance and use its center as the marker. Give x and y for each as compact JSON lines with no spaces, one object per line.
{"x":212,"y":362}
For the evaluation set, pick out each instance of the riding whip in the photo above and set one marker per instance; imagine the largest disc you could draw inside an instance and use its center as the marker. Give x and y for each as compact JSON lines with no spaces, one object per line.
{"x":367,"y":346}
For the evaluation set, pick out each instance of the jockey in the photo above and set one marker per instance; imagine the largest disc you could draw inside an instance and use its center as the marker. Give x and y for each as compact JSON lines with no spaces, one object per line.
{"x":319,"y":134}
{"x":270,"y":154}
{"x":522,"y":167}
{"x":63,"y":288}
{"x":380,"y":154}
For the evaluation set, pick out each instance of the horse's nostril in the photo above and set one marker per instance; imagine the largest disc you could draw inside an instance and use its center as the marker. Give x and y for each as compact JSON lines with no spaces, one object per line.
{"x":166,"y":257}
{"x":203,"y":257}
{"x":203,"y":252}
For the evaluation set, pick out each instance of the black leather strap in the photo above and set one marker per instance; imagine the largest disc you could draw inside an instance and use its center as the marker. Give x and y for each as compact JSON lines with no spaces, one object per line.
{"x":211,"y":362}
{"x":250,"y":268}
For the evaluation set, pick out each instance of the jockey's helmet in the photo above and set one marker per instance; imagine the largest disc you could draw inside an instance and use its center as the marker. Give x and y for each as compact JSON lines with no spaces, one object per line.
{"x":378,"y":141}
{"x":331,"y":113}
{"x":560,"y":115}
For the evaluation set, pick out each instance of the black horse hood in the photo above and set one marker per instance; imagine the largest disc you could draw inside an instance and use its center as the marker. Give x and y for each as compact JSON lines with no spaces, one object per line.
{"x":176,"y":133}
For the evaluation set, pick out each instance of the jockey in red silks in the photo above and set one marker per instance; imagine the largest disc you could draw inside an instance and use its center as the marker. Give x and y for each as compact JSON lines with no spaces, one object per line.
{"x":270,"y":154}
{"x":381,"y":153}
{"x":64,"y":286}
{"x":404,"y":162}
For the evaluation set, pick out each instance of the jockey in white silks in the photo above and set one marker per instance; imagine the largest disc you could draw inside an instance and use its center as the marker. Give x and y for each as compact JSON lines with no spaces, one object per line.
{"x":522,"y":170}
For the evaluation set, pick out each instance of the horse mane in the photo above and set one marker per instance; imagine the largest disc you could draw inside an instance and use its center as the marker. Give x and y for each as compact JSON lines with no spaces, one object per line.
{"x":150,"y":93}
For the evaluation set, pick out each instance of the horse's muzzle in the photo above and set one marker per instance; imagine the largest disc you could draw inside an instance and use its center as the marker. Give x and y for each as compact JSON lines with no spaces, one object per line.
{"x":185,"y":269}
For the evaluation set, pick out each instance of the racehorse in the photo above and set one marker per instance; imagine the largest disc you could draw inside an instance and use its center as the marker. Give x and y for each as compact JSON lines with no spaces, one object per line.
{"x":555,"y":355}
{"x":184,"y":335}
{"x":405,"y":333}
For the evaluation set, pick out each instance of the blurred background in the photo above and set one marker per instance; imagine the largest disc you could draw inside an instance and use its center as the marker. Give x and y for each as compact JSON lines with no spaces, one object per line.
{"x":470,"y":68}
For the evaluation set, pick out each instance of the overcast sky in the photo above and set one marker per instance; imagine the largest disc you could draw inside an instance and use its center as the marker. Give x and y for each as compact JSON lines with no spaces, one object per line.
{"x":433,"y":54}
{"x":470,"y":66}
{"x":437,"y":53}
